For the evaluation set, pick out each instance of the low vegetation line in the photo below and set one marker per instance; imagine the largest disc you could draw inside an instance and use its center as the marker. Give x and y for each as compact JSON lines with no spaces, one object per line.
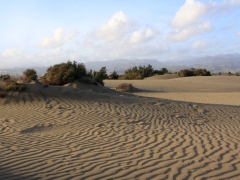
{"x":64,"y":73}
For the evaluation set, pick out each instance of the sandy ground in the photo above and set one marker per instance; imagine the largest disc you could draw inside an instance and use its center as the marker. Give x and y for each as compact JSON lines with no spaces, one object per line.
{"x":209,"y":90}
{"x":87,"y":132}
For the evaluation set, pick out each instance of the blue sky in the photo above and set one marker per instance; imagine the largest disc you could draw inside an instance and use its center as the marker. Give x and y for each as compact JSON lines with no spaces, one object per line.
{"x":44,"y":32}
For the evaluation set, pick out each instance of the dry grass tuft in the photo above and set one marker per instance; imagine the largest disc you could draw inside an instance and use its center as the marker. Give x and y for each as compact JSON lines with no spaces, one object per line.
{"x":124,"y":87}
{"x":8,"y":83}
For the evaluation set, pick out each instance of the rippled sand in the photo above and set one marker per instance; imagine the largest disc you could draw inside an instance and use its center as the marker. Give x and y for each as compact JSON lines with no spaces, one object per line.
{"x":87,"y":132}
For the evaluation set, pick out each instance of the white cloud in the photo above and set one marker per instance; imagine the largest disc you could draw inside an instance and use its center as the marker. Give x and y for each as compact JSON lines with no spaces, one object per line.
{"x":124,"y":38}
{"x":188,"y":21}
{"x":116,"y":27}
{"x":189,"y":13}
{"x":201,"y":44}
{"x":187,"y":33}
{"x":128,"y":51}
{"x":58,"y":39}
{"x":192,"y":19}
{"x":12,"y":57}
{"x":142,"y":36}
{"x":238,"y":34}
{"x":17,"y":57}
{"x":192,"y":11}
{"x":125,"y":49}
{"x":12,"y":52}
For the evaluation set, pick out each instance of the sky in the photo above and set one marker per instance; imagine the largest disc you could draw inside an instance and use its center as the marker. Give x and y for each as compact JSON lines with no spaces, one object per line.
{"x":46,"y":32}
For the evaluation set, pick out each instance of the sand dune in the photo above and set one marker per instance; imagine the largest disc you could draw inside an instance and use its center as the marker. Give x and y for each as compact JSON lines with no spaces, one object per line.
{"x":84,"y":132}
{"x":209,"y":90}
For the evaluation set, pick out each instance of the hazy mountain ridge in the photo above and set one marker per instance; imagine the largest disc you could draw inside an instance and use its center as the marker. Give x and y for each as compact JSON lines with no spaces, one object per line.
{"x":219,"y":63}
{"x":120,"y":65}
{"x":18,"y":70}
{"x":214,"y":64}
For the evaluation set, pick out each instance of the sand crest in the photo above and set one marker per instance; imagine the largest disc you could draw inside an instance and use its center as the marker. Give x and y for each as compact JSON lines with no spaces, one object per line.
{"x":85,"y":132}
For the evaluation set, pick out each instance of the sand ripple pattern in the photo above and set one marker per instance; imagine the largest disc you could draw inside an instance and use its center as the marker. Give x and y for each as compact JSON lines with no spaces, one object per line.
{"x":94,"y":137}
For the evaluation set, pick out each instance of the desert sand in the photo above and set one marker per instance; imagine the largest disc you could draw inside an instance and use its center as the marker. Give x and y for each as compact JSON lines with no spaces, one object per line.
{"x":168,"y":128}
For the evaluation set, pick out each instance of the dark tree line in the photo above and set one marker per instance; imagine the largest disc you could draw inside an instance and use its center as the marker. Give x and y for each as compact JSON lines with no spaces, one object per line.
{"x":63,"y":73}
{"x":98,"y":76}
{"x":142,"y":72}
{"x":194,"y":72}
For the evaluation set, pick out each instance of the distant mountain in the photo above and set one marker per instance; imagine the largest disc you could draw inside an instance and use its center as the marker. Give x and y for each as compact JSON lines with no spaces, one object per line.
{"x":18,"y":71}
{"x":220,"y":63}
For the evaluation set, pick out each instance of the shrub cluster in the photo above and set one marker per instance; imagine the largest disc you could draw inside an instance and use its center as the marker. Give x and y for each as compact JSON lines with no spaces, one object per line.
{"x":124,"y":87}
{"x":141,"y":72}
{"x":63,"y":73}
{"x":29,"y":75}
{"x":194,"y":72}
{"x":228,"y":73}
{"x":138,"y":72}
{"x":10,"y":84}
{"x":98,"y":76}
{"x":161,"y":71}
{"x":113,"y":75}
{"x":131,"y":75}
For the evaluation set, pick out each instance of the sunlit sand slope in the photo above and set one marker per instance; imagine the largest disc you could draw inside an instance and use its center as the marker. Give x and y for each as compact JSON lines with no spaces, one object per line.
{"x":210,"y":90}
{"x":67,"y":133}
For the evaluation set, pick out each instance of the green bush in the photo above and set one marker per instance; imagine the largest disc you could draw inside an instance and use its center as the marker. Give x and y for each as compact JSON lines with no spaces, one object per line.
{"x":185,"y":73}
{"x":30,"y":74}
{"x":131,"y":75}
{"x":63,"y":73}
{"x":200,"y":72}
{"x":141,"y":72}
{"x":113,"y":75}
{"x":194,"y":72}
{"x":98,"y":76}
{"x":161,"y":71}
{"x":10,"y":84}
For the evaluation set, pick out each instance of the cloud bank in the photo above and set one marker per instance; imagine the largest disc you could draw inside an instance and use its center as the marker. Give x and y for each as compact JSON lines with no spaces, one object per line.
{"x":187,"y":31}
{"x":58,"y":40}
{"x":192,"y":18}
{"x":123,"y":37}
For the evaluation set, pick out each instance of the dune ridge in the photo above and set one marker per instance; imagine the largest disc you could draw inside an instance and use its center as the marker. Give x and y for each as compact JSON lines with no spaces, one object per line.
{"x":70,"y":133}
